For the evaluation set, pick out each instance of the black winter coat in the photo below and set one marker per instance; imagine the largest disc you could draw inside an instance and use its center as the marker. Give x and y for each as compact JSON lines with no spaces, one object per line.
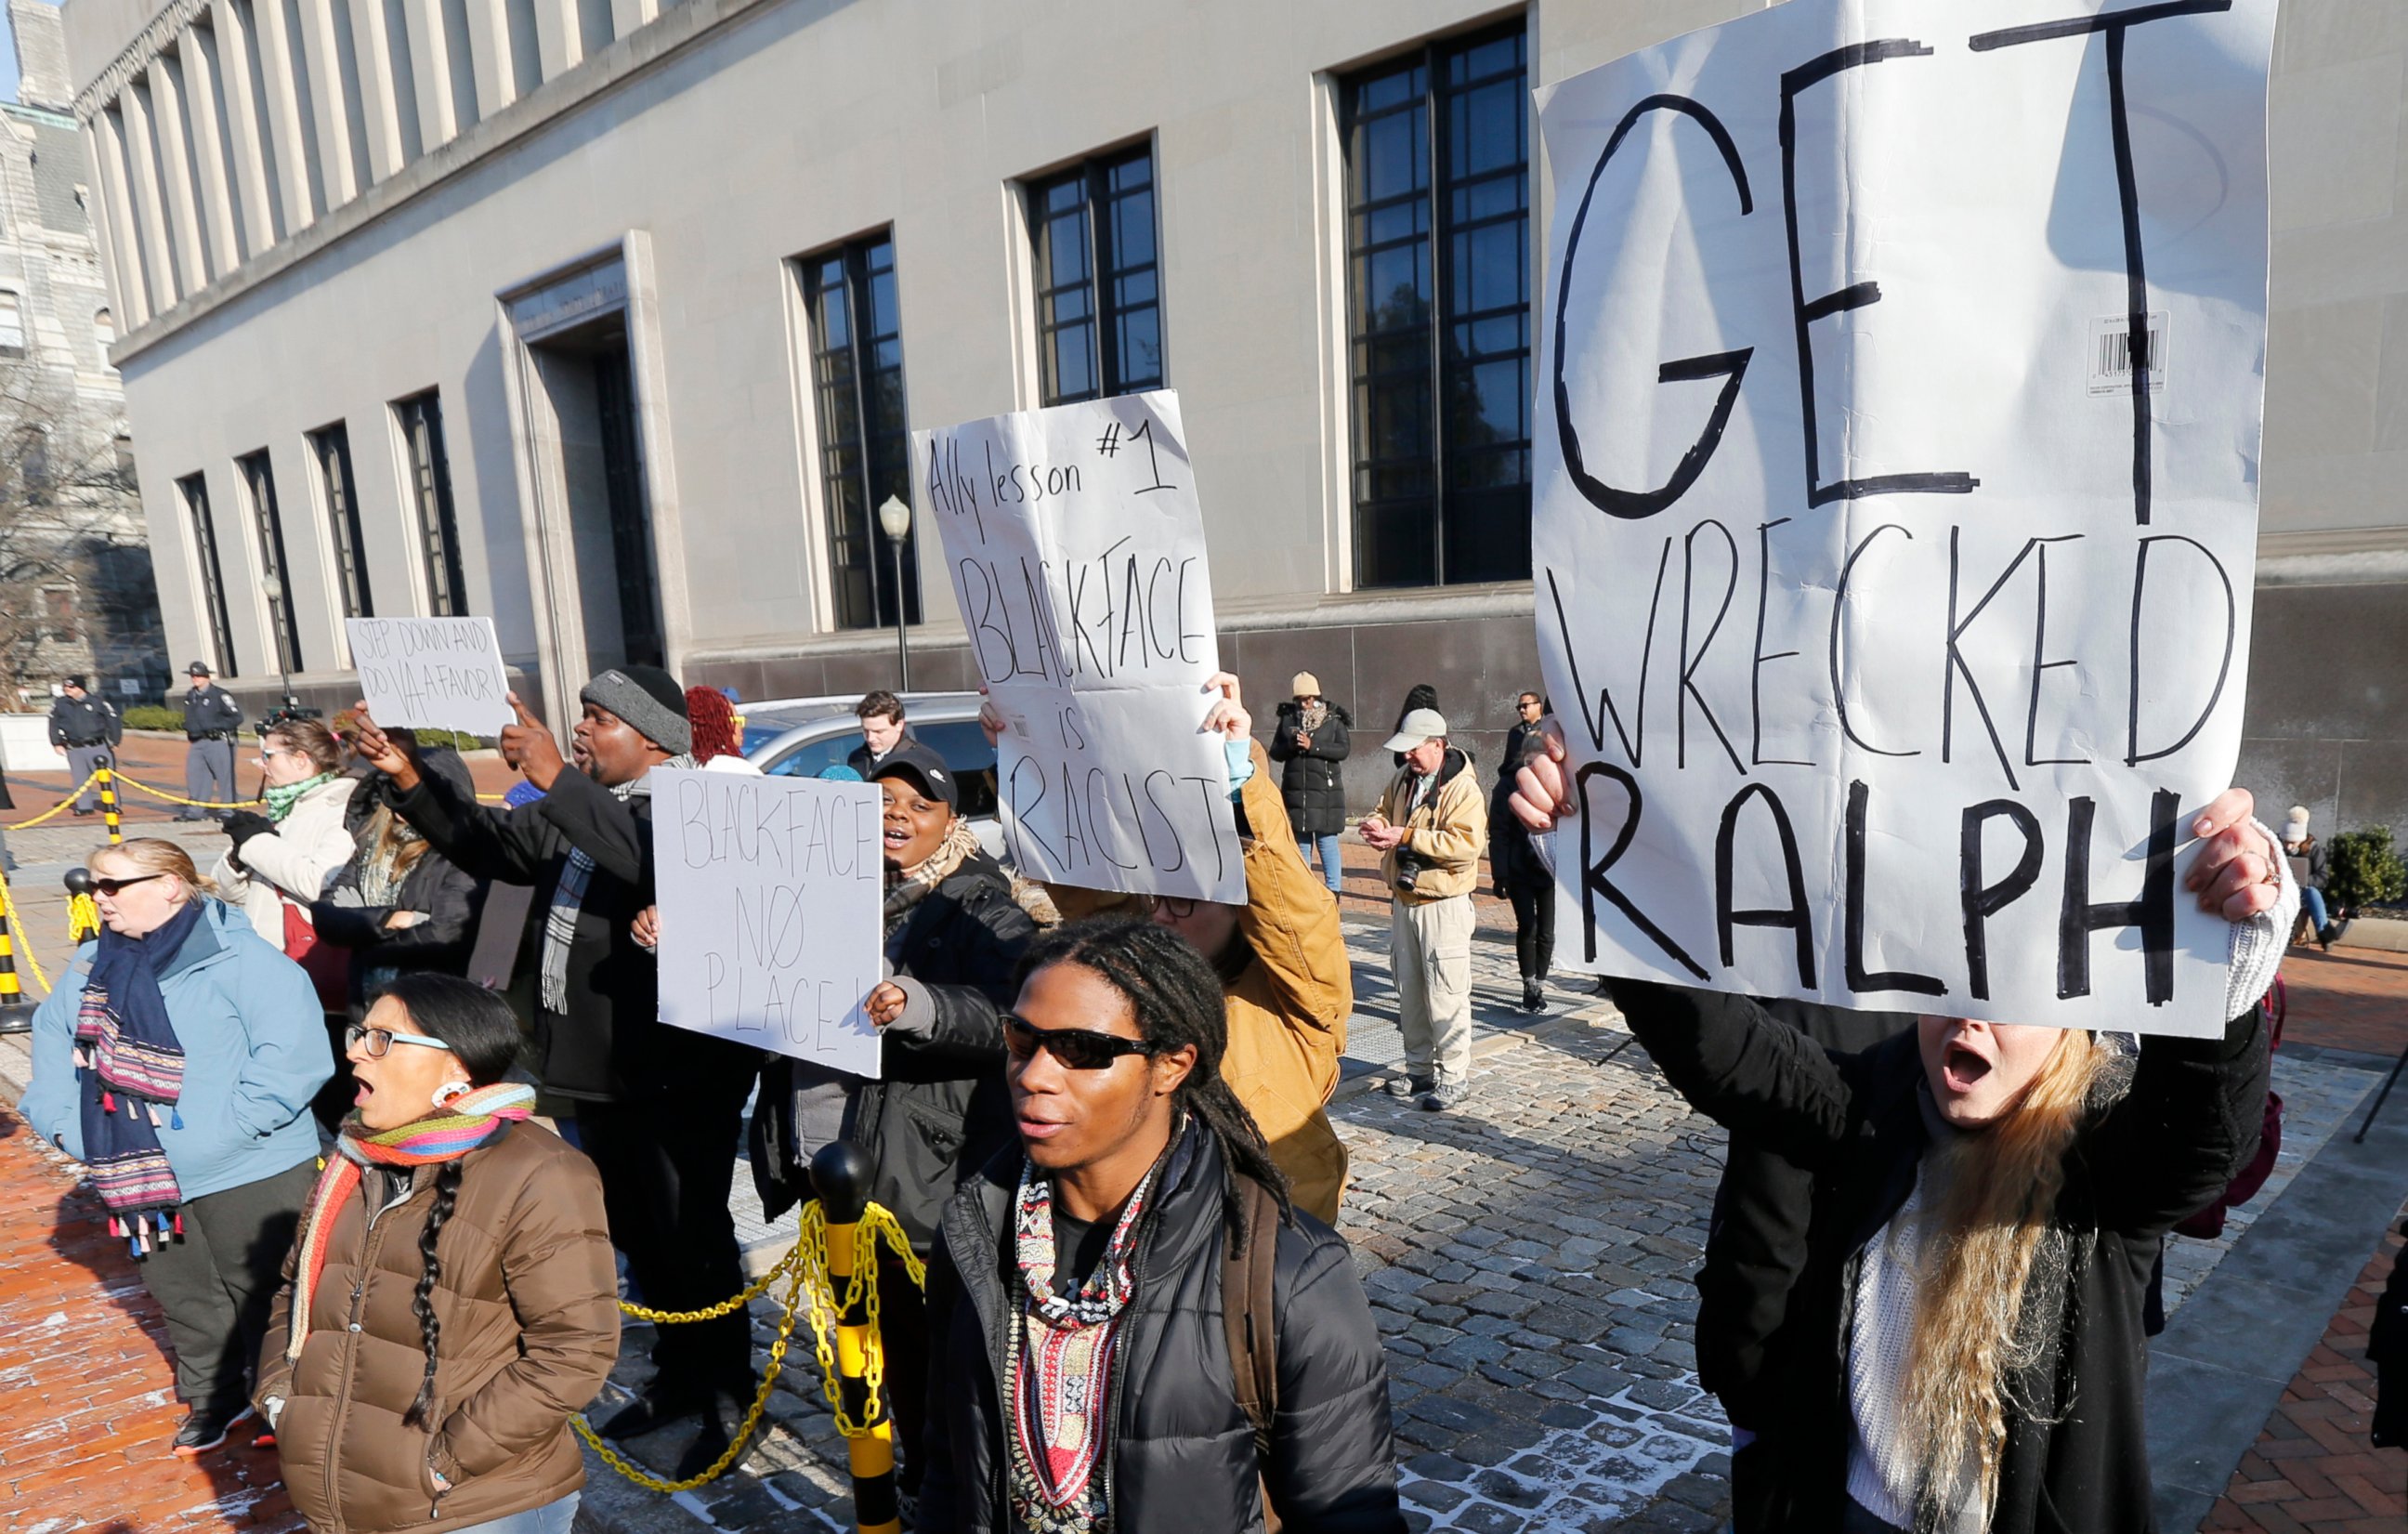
{"x":1311,"y":782}
{"x":607,"y":1044}
{"x":1510,"y":856}
{"x":2166,"y":1147}
{"x":448,"y":894}
{"x":939,"y":1110}
{"x":1182,"y":1454}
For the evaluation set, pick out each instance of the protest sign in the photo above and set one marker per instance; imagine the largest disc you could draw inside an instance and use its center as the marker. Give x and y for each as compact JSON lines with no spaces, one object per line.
{"x":1896,"y":507}
{"x":1077,"y":555}
{"x":431,"y":673}
{"x":769,"y":891}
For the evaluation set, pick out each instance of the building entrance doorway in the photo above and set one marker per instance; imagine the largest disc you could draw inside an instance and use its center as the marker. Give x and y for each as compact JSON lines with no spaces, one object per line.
{"x":586,"y":381}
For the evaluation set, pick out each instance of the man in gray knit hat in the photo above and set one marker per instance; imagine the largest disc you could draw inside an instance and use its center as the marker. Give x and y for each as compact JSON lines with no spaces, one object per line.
{"x":659,"y":1110}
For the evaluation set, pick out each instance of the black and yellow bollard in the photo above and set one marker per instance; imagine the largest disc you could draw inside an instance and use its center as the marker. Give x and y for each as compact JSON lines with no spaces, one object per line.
{"x":110,"y":810}
{"x":16,"y":1010}
{"x":840,"y":1175}
{"x":83,"y":912}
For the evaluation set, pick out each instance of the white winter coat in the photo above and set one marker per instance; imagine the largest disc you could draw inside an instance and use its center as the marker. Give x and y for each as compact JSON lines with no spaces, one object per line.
{"x":294,"y":859}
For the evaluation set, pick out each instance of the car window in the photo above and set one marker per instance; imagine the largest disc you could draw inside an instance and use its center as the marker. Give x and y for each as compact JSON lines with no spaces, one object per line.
{"x":965,"y":748}
{"x":816,"y":757}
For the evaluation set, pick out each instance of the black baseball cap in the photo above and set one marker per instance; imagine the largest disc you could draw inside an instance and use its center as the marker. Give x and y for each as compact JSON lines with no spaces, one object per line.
{"x":924,"y":766}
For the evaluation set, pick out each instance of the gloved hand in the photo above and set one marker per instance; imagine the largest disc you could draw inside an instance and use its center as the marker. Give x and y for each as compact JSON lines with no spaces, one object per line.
{"x":243,"y":824}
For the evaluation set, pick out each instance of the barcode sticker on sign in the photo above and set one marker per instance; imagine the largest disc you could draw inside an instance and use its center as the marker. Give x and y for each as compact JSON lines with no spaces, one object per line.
{"x":2111,"y":355}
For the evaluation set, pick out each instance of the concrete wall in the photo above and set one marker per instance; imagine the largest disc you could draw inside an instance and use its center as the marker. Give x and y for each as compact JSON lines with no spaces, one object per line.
{"x":727,"y":136}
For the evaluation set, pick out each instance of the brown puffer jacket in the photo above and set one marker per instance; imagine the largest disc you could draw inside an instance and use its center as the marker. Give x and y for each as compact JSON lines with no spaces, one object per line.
{"x":527,"y":1306}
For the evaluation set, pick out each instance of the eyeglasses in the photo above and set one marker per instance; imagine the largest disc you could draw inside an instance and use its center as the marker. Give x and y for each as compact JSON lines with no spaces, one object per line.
{"x":1078,"y":1049}
{"x":1179,"y":908}
{"x":382,"y":1041}
{"x":112,"y":887}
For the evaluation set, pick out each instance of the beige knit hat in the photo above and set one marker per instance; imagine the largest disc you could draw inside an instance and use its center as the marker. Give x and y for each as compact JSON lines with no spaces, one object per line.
{"x":1305,"y":686}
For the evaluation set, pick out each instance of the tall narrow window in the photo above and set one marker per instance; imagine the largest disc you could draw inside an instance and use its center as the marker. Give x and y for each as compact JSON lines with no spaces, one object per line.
{"x":1099,"y":287}
{"x":194,"y":489}
{"x":12,"y":325}
{"x":864,"y":444}
{"x":332,"y":447}
{"x":1437,"y":180}
{"x":421,"y":417}
{"x":275,"y":571}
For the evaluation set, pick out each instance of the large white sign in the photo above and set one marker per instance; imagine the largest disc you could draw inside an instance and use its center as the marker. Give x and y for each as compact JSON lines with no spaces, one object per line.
{"x":769,"y":892}
{"x":1077,"y":555}
{"x":1896,"y":505}
{"x":431,"y":673}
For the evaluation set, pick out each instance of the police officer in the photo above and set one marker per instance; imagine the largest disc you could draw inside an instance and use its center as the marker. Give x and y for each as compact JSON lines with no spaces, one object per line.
{"x":213,"y":719}
{"x":84,"y":729}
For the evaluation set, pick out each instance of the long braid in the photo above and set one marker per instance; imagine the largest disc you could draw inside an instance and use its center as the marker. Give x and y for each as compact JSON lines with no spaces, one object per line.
{"x":430,"y":1273}
{"x":1177,"y":1000}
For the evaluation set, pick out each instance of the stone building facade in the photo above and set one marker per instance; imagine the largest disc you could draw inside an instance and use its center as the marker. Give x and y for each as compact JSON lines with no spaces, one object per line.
{"x":76,"y":590}
{"x":606,"y":317}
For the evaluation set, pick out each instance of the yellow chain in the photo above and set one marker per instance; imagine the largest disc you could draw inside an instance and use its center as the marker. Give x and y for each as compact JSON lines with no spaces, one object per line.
{"x":59,"y":808}
{"x":809,"y":1292}
{"x":743,"y":1434}
{"x":17,"y":932}
{"x":208,"y":804}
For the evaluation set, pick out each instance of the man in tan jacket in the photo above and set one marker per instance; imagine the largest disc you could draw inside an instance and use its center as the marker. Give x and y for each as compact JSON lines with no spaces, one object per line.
{"x":1431,"y":828}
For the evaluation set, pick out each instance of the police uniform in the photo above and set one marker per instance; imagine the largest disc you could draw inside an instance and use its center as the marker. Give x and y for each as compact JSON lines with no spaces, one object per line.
{"x":213,"y":719}
{"x":88,"y":728}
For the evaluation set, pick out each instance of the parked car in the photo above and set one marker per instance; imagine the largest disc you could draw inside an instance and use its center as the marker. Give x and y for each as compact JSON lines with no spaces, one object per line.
{"x":803,"y":737}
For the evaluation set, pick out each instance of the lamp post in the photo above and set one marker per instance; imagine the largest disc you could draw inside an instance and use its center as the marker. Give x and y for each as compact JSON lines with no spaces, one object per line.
{"x":896,"y":518}
{"x":272,"y":587}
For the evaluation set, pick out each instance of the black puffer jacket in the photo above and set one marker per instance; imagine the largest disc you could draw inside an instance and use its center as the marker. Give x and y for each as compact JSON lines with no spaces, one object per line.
{"x":607,"y":1044}
{"x":1311,"y":781}
{"x":1183,"y":1454}
{"x":939,"y":1111}
{"x":2166,"y":1147}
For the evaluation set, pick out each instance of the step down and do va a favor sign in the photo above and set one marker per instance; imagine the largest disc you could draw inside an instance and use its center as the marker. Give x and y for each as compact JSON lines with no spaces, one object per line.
{"x":1077,"y":554}
{"x":431,"y":673}
{"x":1896,"y":505}
{"x":769,"y":891}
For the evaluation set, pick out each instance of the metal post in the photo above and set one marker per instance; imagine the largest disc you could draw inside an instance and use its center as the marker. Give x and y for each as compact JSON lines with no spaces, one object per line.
{"x":2389,"y":1083}
{"x":108,"y":806}
{"x":902,"y":638}
{"x":840,"y":1174}
{"x":16,"y":1011}
{"x":83,"y":912}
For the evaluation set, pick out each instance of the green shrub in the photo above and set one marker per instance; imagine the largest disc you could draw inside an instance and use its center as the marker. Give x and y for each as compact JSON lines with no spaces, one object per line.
{"x":153,"y":716}
{"x":2361,"y":868}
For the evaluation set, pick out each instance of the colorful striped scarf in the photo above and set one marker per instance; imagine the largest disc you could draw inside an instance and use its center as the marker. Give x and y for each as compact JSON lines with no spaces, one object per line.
{"x":1059,"y":1362}
{"x":469,"y":1121}
{"x":130,"y":1065}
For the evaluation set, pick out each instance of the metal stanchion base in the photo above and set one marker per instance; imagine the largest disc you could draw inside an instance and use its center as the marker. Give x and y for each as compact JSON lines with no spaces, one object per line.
{"x":17,"y":1016}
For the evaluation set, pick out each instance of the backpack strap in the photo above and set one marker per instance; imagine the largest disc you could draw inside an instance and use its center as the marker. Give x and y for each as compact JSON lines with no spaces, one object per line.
{"x":1247,"y":1314}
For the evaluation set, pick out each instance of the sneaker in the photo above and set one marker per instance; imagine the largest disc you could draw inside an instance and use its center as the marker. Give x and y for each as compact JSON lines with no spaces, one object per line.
{"x":1443,"y":1096}
{"x":1407,"y":1086}
{"x":204,"y":1429}
{"x":1534,"y":997}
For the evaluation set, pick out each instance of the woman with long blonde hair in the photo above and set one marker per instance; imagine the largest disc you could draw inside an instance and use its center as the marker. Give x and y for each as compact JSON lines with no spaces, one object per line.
{"x":175,"y":1060}
{"x":1961,"y":1352}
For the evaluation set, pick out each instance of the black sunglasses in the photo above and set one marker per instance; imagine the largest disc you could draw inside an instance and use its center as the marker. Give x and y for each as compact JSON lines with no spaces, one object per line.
{"x":1078,"y":1049}
{"x":111,"y":887}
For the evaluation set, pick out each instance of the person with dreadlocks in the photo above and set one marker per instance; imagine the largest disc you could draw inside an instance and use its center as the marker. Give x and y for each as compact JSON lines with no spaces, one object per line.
{"x":451,"y":1298}
{"x":176,"y":1060}
{"x":1082,"y":1295}
{"x":659,"y":1109}
{"x":1961,"y":1349}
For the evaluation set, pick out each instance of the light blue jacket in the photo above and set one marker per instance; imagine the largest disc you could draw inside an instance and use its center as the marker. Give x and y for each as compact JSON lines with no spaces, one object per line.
{"x":256,"y":1053}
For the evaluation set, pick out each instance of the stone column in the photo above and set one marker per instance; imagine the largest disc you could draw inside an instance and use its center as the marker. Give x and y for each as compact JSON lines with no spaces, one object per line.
{"x":431,"y":46}
{"x":151,"y":212}
{"x":489,"y":54}
{"x":558,"y":37}
{"x":121,"y":254}
{"x":328,"y":119}
{"x":627,"y":15}
{"x":192,"y":272}
{"x":229,"y":48}
{"x":198,"y":51}
{"x":392,"y":122}
{"x":289,"y":124}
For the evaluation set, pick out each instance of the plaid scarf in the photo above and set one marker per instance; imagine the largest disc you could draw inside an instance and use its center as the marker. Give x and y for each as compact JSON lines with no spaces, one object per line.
{"x":569,"y":898}
{"x":130,"y":1064}
{"x":1059,"y":1362}
{"x":470,"y":1120}
{"x":906,"y":887}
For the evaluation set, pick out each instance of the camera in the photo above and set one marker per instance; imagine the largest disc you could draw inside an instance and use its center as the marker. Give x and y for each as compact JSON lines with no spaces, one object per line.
{"x":1408,"y":869}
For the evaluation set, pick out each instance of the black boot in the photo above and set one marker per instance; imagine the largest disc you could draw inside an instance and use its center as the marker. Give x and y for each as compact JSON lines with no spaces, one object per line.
{"x":1534,"y":997}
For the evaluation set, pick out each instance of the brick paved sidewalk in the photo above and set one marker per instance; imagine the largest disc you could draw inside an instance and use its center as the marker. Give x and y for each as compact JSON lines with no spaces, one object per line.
{"x":88,"y":1394}
{"x":2312,"y":1470}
